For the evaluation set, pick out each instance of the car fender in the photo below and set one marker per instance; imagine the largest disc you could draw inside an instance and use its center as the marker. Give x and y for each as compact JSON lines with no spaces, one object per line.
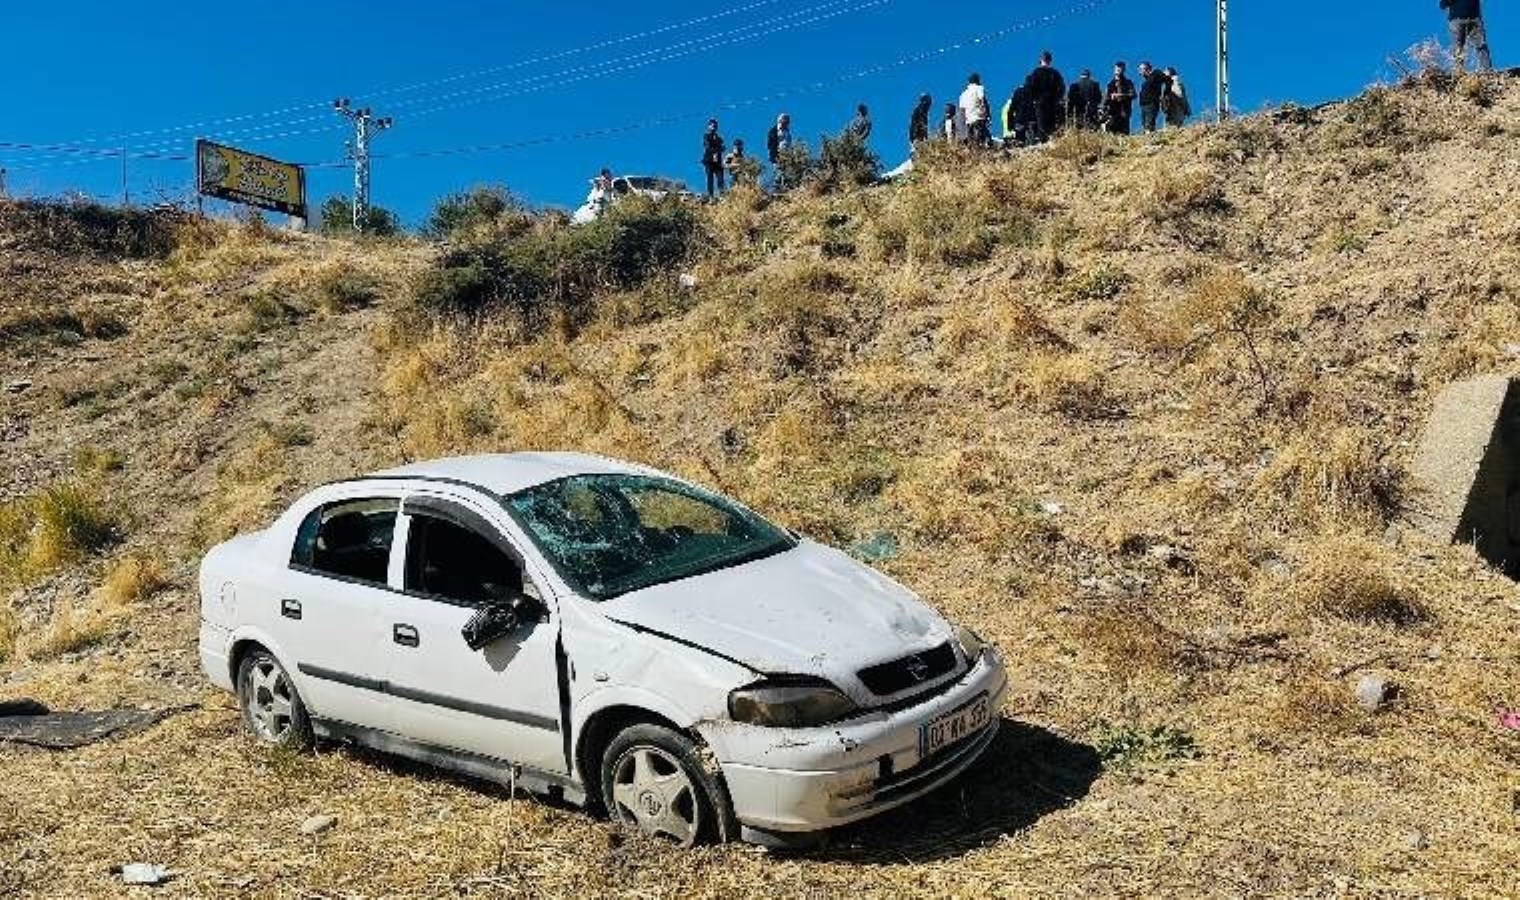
{"x":261,"y":637}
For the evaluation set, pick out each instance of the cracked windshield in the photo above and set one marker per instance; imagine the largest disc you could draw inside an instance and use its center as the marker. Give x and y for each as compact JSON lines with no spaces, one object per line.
{"x":612,"y":534}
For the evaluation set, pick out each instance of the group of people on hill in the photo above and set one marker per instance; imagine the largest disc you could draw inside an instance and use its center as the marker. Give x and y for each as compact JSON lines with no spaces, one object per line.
{"x":1041,"y":106}
{"x":1045,"y":103}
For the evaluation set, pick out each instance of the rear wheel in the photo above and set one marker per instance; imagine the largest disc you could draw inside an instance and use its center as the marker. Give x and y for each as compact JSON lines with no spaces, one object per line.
{"x":272,"y":710}
{"x":654,"y":779}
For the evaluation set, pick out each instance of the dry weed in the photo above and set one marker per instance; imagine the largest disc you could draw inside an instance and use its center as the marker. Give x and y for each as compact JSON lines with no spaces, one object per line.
{"x":134,"y":578}
{"x":1354,"y":578}
{"x":1335,"y":471}
{"x":1071,"y":384}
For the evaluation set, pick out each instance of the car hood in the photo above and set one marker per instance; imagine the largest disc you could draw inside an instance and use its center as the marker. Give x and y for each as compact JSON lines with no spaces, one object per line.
{"x":811,"y":610}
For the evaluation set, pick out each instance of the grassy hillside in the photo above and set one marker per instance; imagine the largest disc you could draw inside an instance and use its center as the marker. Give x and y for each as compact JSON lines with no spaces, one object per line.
{"x":1137,"y":412}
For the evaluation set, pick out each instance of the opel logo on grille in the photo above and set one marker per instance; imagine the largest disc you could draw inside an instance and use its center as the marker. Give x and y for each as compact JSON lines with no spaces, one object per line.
{"x":917,"y":667}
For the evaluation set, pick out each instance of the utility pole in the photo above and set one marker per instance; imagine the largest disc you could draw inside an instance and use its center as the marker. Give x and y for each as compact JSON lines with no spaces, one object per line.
{"x":2,"y":182}
{"x":1222,"y":62}
{"x":126,"y":198}
{"x":365,"y":126}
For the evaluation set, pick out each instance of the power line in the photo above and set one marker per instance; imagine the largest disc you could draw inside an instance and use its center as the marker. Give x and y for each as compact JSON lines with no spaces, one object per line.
{"x":546,"y":81}
{"x":196,"y":127}
{"x":811,"y":87}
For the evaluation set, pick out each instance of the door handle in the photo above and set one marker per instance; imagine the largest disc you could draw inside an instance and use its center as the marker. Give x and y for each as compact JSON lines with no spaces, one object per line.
{"x":405,"y":635}
{"x":290,"y":609}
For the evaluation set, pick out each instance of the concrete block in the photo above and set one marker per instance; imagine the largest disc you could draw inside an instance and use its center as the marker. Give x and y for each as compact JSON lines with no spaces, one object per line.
{"x":1466,"y":471}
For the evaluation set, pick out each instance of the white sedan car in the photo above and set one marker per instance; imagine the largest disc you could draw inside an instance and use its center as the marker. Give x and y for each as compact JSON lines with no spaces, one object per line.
{"x":601,"y":198}
{"x":601,"y":632}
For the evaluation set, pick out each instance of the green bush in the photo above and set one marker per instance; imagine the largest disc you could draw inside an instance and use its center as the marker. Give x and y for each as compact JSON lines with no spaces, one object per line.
{"x":90,"y":228}
{"x":795,"y":167}
{"x":335,"y":218}
{"x":845,"y":161}
{"x":557,"y":268}
{"x":468,"y":210}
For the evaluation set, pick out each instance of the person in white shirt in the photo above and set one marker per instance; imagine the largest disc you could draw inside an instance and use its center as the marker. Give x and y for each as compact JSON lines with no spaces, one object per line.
{"x":975,"y":111}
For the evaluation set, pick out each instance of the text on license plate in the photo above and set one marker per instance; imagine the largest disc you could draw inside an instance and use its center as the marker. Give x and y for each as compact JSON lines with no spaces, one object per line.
{"x":952,"y":726}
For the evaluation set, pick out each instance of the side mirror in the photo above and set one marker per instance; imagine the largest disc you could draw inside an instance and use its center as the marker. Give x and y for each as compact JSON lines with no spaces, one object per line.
{"x":498,"y":620}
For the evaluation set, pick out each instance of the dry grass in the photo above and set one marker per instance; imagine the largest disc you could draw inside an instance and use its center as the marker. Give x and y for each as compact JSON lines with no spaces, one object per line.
{"x":1356,"y":579}
{"x":134,"y":578}
{"x":55,"y":527}
{"x":1038,"y":380}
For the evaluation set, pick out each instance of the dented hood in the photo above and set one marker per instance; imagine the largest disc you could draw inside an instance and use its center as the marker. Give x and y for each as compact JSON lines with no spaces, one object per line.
{"x":811,"y":610}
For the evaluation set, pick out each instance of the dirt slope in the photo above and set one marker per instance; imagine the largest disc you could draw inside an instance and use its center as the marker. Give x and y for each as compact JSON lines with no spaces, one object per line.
{"x":1139,"y":413}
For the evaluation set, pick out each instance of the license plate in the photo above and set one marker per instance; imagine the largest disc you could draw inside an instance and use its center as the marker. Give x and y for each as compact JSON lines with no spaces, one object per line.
{"x":952,"y":726}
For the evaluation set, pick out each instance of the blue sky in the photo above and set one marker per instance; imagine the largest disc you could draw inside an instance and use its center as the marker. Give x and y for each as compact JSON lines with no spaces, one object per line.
{"x":458,"y":74}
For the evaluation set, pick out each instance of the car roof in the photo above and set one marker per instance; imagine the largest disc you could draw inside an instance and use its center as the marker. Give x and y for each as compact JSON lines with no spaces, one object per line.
{"x":506,"y":473}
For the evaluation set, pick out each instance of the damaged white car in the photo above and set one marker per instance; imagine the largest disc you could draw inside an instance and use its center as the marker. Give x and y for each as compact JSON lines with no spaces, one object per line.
{"x":601,"y":632}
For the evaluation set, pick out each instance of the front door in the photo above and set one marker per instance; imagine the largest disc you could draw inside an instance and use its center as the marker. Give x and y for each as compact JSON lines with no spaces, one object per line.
{"x":501,"y":701}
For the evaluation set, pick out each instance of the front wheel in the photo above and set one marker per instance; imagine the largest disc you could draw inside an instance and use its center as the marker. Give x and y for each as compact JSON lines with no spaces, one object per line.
{"x":654,"y":779}
{"x":272,"y":710}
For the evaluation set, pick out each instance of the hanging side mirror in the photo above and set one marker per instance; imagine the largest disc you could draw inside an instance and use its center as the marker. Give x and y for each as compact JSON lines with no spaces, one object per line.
{"x":495,"y":621}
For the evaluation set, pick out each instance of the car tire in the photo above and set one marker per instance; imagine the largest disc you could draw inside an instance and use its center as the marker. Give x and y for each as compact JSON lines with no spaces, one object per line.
{"x":656,"y":780}
{"x":271,"y":707}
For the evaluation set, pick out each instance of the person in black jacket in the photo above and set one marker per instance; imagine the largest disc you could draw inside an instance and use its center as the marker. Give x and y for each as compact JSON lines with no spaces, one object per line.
{"x":1047,"y":91}
{"x":918,"y":122}
{"x":712,"y":157}
{"x":1466,"y":20}
{"x":1153,"y":88}
{"x":1083,"y":101}
{"x":1120,"y":100}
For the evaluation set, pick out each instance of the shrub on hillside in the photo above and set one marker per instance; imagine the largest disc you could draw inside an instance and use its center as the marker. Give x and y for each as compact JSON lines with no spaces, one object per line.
{"x":555,"y":268}
{"x":469,"y":210}
{"x":45,"y":531}
{"x":795,"y":167}
{"x":335,"y":218}
{"x":845,"y":162}
{"x":86,"y":227}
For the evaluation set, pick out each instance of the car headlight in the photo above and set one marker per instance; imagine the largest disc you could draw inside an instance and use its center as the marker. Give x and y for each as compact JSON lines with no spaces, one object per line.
{"x":789,"y":704}
{"x":971,"y":643}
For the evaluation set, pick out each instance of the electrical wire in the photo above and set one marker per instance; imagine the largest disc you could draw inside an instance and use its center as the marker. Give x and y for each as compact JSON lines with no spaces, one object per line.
{"x":415,"y":86}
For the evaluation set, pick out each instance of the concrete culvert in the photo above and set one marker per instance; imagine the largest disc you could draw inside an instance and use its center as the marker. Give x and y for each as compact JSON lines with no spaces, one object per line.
{"x":1466,"y":472}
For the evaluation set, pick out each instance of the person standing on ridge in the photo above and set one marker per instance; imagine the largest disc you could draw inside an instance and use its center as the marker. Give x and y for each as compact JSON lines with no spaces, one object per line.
{"x":918,"y":122}
{"x":1047,"y":91}
{"x":1121,"y":100}
{"x":778,"y":138}
{"x":1174,"y":103}
{"x":740,"y":169}
{"x":1153,"y":87}
{"x":949,"y":129}
{"x":1083,"y":101}
{"x":712,"y":157}
{"x":975,"y":111}
{"x":860,"y":126}
{"x":1466,"y":20}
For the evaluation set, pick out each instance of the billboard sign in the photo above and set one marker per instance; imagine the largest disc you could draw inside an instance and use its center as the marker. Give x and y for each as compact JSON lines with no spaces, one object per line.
{"x":243,"y":177}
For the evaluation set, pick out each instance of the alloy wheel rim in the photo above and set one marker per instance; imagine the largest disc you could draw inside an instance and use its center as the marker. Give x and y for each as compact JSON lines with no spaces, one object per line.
{"x":270,"y":701}
{"x":652,"y":790}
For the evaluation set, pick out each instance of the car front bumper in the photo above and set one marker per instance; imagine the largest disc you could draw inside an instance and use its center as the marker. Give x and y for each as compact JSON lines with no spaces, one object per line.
{"x":799,"y":780}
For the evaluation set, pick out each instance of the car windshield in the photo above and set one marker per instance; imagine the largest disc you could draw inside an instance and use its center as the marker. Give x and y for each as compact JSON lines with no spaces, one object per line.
{"x":611,"y":534}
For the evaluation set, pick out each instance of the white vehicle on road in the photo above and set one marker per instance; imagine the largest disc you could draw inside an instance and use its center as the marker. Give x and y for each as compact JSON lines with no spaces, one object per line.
{"x":601,"y":632}
{"x":602,"y":198}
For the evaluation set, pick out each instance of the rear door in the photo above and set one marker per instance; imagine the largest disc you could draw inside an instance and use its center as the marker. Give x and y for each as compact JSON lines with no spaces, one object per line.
{"x":328,"y":607}
{"x":502,"y":701}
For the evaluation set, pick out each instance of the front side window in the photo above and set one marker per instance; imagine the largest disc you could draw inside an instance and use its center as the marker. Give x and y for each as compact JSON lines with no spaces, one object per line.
{"x":458,"y":565}
{"x":348,"y":539}
{"x":611,"y":534}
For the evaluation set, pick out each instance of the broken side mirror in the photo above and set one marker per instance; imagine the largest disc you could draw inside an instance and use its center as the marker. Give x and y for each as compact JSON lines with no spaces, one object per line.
{"x":498,"y":620}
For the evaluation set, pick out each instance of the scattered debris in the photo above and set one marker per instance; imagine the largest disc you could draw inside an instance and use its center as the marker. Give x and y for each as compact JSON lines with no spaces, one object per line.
{"x":318,"y":824}
{"x":17,"y":386}
{"x":143,"y":873}
{"x":687,"y":281}
{"x":68,"y":730}
{"x":1509,"y":719}
{"x":1051,"y":508}
{"x":1374,"y":692}
{"x":1416,"y":840}
{"x":878,"y":547}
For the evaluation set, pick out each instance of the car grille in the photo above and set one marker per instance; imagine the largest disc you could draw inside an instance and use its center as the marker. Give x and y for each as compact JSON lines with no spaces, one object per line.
{"x":885,"y":679}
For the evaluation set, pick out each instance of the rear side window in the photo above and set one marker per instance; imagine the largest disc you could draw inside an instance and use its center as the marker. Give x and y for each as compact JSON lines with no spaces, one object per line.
{"x":348,"y":539}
